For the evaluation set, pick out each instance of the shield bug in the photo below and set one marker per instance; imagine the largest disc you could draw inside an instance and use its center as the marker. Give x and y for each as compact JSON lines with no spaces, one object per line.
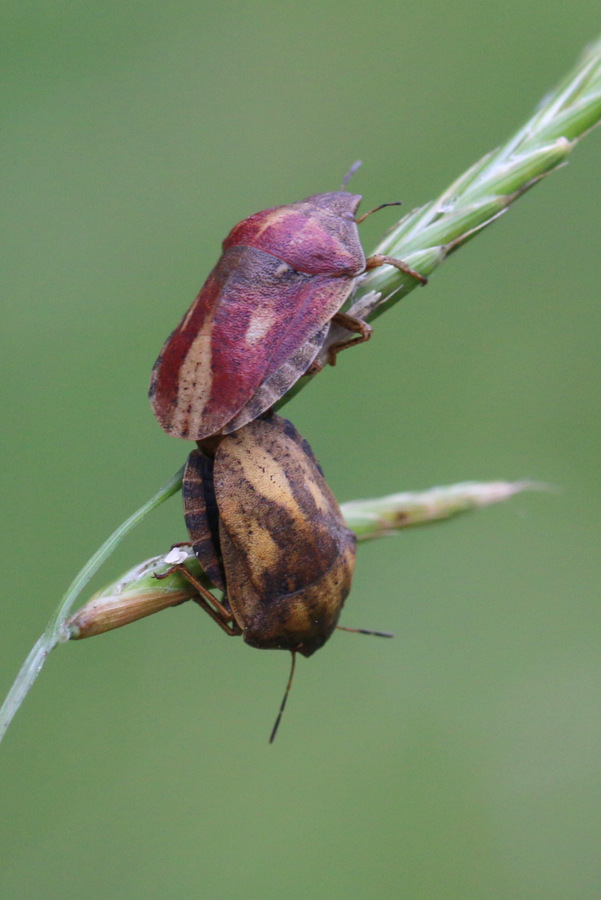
{"x":269,"y":533}
{"x":263,"y":315}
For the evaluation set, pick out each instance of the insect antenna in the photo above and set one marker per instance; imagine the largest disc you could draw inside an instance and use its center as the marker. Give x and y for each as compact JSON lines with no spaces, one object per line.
{"x":376,"y":208}
{"x":365,"y":631}
{"x":350,"y":173}
{"x":274,"y":730}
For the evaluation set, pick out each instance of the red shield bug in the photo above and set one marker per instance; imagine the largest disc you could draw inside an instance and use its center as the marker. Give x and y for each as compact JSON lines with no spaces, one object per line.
{"x":263,"y":314}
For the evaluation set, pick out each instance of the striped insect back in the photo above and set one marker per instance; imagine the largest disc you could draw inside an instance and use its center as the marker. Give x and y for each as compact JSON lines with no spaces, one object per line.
{"x":275,"y":542}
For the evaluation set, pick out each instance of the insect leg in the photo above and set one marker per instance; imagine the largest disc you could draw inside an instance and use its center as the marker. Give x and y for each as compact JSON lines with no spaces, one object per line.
{"x":205,"y":599}
{"x":378,"y":259}
{"x":357,"y":326}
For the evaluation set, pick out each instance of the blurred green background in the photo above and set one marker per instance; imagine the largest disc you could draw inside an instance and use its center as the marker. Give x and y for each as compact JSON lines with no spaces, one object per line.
{"x":462,"y":760}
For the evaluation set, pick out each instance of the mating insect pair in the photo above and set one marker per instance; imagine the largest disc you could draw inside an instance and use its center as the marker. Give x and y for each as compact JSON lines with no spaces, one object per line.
{"x":263,"y":523}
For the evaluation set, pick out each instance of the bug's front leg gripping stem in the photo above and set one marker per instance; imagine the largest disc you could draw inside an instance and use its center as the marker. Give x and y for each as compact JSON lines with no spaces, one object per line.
{"x":379,"y":259}
{"x":205,"y":599}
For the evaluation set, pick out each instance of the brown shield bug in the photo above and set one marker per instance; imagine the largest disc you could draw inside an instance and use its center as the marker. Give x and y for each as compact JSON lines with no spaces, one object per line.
{"x":263,"y":314}
{"x":269,"y":533}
